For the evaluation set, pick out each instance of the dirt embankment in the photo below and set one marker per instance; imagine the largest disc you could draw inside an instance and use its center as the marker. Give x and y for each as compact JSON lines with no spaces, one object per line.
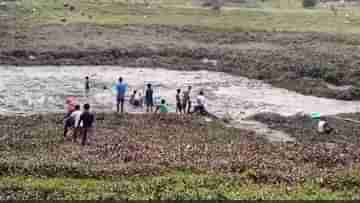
{"x":145,"y":145}
{"x":304,"y":62}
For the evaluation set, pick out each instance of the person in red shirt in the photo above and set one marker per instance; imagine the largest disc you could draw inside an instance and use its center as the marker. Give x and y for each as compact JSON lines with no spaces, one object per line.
{"x":70,"y":108}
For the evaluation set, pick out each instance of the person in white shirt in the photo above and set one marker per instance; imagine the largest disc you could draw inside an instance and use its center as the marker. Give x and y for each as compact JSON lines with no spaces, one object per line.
{"x":139,"y":99}
{"x":324,"y":127}
{"x":76,"y":118}
{"x":200,"y":104}
{"x":136,"y":99}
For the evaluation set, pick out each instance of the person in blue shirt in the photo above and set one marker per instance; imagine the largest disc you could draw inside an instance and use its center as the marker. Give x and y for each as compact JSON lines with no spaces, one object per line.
{"x":121,"y":89}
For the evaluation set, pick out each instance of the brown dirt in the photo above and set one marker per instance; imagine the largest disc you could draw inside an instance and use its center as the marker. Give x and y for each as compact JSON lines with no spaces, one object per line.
{"x":304,"y":62}
{"x":151,"y":145}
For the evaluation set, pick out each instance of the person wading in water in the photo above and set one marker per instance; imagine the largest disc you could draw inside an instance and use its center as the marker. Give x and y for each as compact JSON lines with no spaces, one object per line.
{"x":87,"y":86}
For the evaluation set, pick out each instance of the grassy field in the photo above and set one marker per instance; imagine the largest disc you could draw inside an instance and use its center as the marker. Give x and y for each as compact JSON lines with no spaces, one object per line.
{"x":271,"y":17}
{"x":180,"y":186}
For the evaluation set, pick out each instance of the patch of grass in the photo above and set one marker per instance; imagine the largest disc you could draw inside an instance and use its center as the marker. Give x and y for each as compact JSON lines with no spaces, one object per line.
{"x":119,"y":13}
{"x":347,"y":180}
{"x":172,"y":186}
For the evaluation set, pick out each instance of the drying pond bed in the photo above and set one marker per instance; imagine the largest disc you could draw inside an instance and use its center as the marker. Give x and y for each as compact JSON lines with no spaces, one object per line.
{"x":167,"y":153}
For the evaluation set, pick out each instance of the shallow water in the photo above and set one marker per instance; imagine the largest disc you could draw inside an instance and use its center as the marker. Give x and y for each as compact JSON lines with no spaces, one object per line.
{"x":44,"y":89}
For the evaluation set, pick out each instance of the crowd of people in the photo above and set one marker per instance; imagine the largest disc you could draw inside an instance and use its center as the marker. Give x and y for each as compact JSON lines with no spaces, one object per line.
{"x":82,"y":122}
{"x":183,"y":101}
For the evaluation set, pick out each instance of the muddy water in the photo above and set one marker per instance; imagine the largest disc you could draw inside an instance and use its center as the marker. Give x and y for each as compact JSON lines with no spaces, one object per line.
{"x":44,"y":89}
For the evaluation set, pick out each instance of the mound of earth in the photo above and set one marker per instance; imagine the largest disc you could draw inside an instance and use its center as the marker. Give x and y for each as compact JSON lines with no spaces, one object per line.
{"x":142,"y":145}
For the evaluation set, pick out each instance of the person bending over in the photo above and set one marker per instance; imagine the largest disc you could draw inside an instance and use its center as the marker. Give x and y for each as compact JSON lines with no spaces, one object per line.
{"x":162,"y":108}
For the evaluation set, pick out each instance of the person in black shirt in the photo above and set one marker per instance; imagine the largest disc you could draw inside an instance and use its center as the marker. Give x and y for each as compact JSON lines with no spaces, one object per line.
{"x":149,"y":100}
{"x":178,"y":101}
{"x":87,"y":119}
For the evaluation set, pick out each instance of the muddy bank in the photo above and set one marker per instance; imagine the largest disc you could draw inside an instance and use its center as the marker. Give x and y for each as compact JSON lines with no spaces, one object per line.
{"x":303,"y":128}
{"x":144,"y":145}
{"x":304,"y":62}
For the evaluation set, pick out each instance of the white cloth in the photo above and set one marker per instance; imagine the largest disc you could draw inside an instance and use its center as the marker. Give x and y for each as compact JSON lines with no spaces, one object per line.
{"x":200,"y":100}
{"x":321,"y":126}
{"x":137,"y":97}
{"x":76,"y":116}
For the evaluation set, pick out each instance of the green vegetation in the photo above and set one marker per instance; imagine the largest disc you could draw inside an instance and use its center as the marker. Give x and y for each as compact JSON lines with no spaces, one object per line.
{"x":309,"y":3}
{"x":271,"y":17}
{"x":180,"y":185}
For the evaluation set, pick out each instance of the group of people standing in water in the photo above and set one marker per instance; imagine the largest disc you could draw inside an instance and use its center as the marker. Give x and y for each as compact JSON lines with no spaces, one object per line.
{"x":183,"y":101}
{"x":82,"y":122}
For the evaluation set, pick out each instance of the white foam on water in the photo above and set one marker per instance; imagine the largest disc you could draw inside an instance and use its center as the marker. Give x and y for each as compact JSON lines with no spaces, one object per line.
{"x":44,"y":89}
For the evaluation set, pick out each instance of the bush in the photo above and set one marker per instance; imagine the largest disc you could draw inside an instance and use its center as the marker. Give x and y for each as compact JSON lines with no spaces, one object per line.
{"x":309,"y":3}
{"x":355,"y":92}
{"x":213,"y":4}
{"x":333,"y":77}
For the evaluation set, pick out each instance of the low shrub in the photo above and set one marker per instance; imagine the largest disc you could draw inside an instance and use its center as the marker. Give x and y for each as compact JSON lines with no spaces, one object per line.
{"x":309,"y":3}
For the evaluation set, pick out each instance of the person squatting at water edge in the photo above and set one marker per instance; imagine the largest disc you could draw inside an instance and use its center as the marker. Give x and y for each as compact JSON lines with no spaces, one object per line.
{"x":162,"y":108}
{"x":200,"y":106}
{"x":136,"y":99}
{"x":323,"y":127}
